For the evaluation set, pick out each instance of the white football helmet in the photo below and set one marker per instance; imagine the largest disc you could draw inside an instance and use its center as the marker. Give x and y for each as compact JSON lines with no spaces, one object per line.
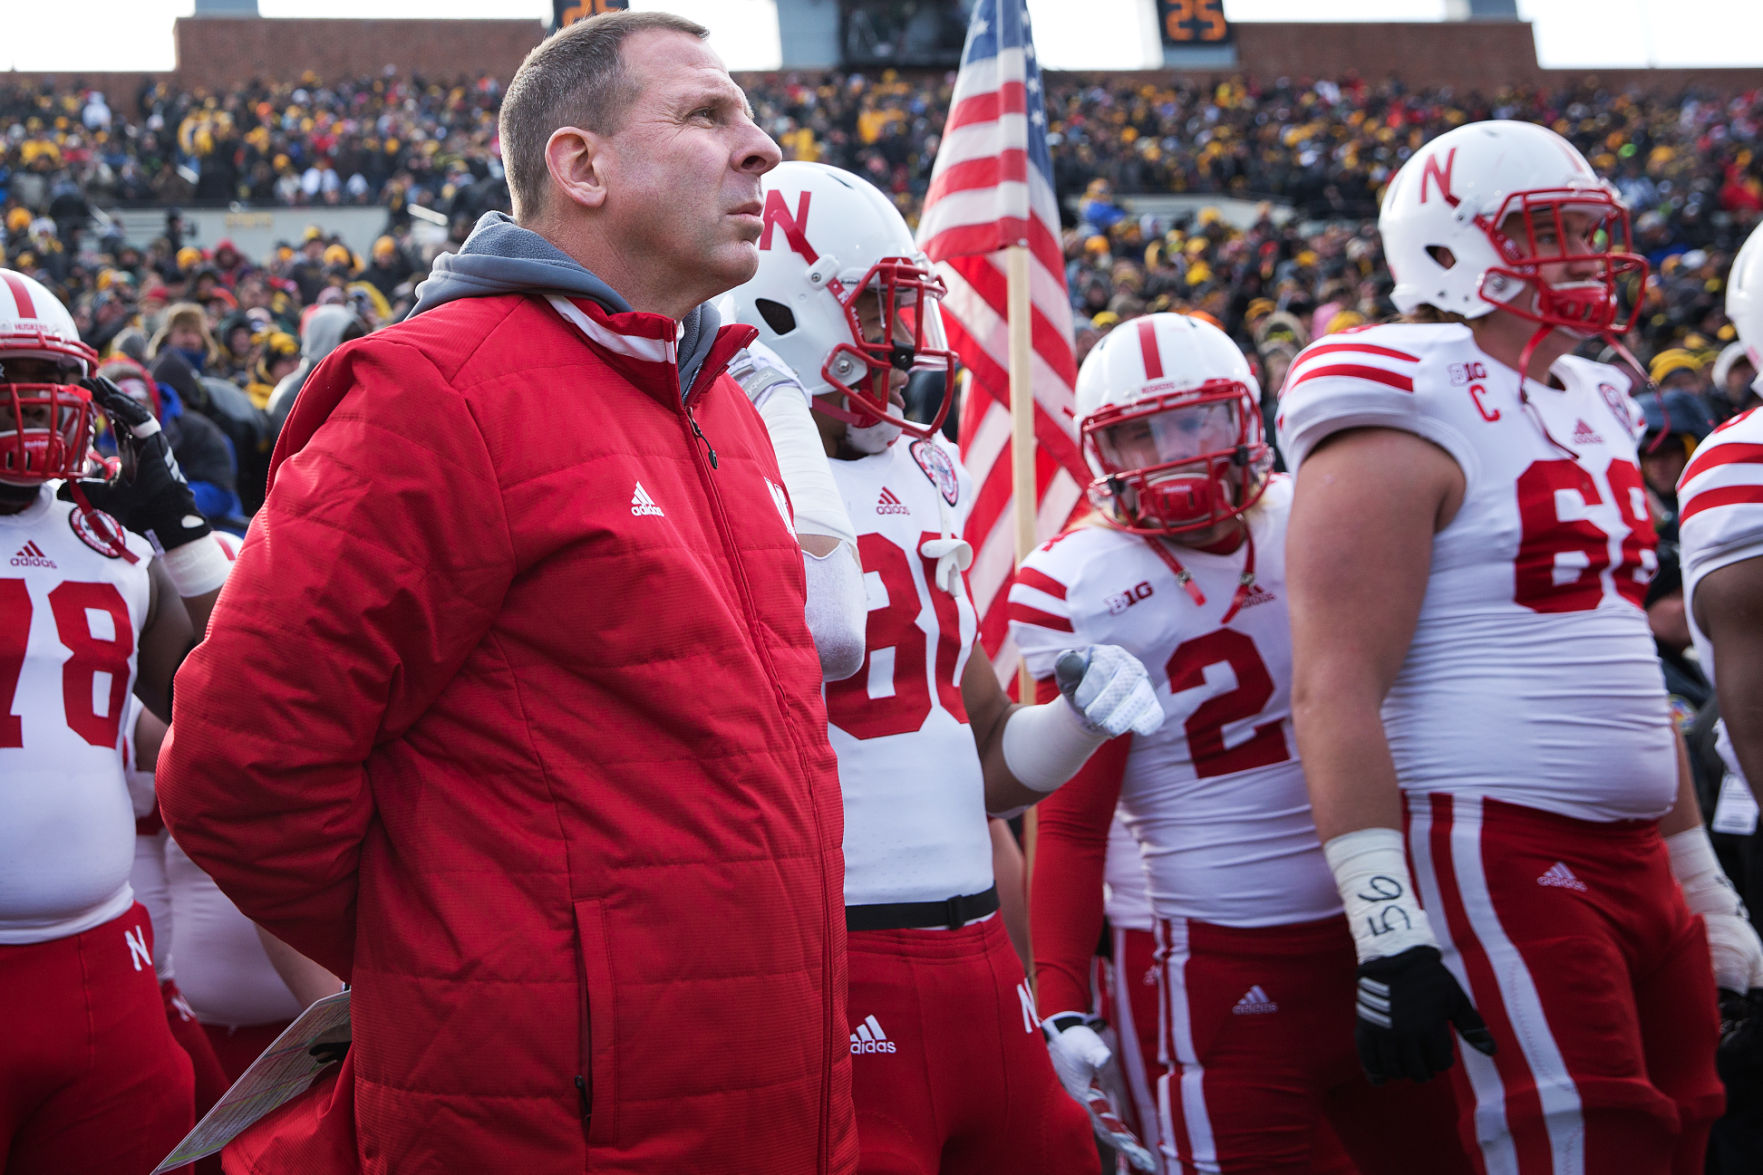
{"x":45,"y":416}
{"x":1170,"y":415}
{"x":830,"y":237}
{"x":1744,"y":301}
{"x":1470,"y":221}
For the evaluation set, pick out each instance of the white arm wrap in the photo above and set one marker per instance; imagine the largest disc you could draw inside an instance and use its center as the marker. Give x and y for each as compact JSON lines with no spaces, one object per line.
{"x":197,"y":567}
{"x":801,"y":458}
{"x":838,"y":610}
{"x":1045,"y":745}
{"x":1383,"y":907}
{"x":1733,"y":946}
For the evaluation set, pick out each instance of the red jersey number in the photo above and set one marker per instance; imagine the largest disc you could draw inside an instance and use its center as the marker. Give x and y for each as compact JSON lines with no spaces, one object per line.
{"x":1254,"y":689}
{"x":1550,"y":545}
{"x":72,"y":605}
{"x":893,"y":636}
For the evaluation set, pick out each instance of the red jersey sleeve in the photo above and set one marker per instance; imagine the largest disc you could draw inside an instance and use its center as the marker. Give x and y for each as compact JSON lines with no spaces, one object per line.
{"x":1065,"y":891}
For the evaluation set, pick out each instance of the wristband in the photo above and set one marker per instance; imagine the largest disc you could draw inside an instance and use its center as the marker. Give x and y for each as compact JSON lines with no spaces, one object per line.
{"x":197,"y":568}
{"x":1706,"y":889}
{"x":1383,"y":910}
{"x":1044,"y":745}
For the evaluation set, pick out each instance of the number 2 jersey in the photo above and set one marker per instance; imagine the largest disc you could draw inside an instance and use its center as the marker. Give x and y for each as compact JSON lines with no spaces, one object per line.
{"x":1532,"y":677}
{"x":69,"y":617}
{"x":915,"y":818}
{"x":1215,"y":798}
{"x":1720,"y":522}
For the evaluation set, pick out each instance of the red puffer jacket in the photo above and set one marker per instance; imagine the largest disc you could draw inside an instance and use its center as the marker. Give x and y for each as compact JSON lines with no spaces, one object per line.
{"x":509,"y":714}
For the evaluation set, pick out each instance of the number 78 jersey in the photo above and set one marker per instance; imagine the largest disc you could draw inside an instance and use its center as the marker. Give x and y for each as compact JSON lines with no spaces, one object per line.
{"x":1532,"y":676}
{"x":1215,"y":798}
{"x":69,"y":619}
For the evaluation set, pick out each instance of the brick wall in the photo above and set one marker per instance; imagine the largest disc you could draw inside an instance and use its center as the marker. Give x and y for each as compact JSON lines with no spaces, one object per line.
{"x":220,"y":53}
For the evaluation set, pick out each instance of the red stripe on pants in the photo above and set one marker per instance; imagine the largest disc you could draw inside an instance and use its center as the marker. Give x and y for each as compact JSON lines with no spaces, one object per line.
{"x":1573,"y":941}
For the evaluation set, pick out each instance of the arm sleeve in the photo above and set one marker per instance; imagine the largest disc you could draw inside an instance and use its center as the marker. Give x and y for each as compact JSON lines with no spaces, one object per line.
{"x":838,"y":615}
{"x":1065,"y":892}
{"x":377,"y":564}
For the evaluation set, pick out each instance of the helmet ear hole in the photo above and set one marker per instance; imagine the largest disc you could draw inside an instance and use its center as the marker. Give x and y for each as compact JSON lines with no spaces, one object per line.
{"x":777,"y":316}
{"x":1445,"y":258}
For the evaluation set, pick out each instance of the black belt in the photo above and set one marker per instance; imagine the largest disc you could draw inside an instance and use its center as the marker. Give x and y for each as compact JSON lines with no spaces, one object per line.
{"x":953,"y":912}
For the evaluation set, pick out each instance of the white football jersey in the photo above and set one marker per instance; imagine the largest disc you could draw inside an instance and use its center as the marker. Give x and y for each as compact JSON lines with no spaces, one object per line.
{"x":1216,"y":797}
{"x":1532,"y":677}
{"x":1720,"y":522}
{"x":1126,"y":897}
{"x":69,"y":621}
{"x":225,"y":974}
{"x":915,"y":818}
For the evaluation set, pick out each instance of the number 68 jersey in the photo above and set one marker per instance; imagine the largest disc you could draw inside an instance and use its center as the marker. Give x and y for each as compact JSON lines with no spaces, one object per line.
{"x":1216,"y":798}
{"x":1532,"y":676}
{"x":69,"y":617}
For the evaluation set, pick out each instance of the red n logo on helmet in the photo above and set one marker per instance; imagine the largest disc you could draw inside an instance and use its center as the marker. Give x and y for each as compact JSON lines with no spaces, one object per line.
{"x":1433,"y":173}
{"x":794,"y":226}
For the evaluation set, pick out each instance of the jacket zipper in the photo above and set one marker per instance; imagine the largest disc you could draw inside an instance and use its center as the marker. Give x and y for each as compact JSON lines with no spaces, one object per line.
{"x":699,"y":433}
{"x":746,"y":590}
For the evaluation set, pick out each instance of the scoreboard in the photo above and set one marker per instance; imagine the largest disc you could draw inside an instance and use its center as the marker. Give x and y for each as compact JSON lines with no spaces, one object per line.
{"x":567,"y":12}
{"x":1192,"y":22}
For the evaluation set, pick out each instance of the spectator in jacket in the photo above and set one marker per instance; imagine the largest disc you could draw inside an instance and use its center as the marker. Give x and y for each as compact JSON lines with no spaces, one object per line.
{"x":594,"y":847}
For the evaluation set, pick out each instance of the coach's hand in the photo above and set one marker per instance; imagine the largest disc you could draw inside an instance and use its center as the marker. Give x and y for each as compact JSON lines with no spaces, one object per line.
{"x":1407,"y":1006}
{"x":1078,"y":1053}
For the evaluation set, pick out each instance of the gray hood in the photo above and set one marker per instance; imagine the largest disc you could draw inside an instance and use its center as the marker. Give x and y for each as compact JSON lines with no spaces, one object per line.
{"x":500,"y":257}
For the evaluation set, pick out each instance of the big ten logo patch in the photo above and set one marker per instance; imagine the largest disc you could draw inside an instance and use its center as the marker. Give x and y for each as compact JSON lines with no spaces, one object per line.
{"x":1121,"y":601}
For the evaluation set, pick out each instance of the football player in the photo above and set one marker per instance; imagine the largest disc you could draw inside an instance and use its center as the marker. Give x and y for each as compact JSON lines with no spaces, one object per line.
{"x":950,"y":1074}
{"x":1720,"y":496}
{"x":1183,"y":565}
{"x":1468,"y":555}
{"x":91,"y":1079}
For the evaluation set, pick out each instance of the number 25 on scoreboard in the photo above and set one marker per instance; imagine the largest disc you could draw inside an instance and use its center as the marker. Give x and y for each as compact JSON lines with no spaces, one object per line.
{"x":567,"y":12}
{"x":1190,"y":22}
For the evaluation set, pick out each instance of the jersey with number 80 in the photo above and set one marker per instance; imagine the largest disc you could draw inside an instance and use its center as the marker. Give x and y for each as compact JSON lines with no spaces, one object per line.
{"x":1532,"y":677}
{"x":1216,"y":797}
{"x":69,"y":619}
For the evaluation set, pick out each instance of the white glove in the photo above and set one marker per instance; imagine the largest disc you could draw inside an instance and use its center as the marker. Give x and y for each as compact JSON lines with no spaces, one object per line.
{"x":1733,"y":946}
{"x":1078,"y":1053}
{"x":1106,"y":694}
{"x":1110,"y":690}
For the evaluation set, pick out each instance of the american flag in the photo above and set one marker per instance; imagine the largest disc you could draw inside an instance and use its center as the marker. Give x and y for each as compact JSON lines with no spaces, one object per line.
{"x":992,"y":186}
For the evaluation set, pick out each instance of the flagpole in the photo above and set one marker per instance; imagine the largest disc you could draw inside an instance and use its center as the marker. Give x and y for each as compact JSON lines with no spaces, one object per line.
{"x":1022,"y":481}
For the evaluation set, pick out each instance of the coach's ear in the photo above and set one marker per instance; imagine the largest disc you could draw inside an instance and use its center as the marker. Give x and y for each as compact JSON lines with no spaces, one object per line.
{"x":574,"y":159}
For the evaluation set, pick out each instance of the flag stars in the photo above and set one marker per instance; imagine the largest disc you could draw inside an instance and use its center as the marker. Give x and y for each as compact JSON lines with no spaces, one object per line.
{"x":1036,"y":117}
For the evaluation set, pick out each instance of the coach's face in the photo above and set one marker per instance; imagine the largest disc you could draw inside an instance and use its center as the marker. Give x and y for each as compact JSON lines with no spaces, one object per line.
{"x":682,"y":171}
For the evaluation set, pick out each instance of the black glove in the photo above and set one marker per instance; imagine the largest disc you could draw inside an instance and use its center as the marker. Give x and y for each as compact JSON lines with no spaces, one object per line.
{"x":1740,"y":1055}
{"x":1407,"y":1005}
{"x":152,"y":497}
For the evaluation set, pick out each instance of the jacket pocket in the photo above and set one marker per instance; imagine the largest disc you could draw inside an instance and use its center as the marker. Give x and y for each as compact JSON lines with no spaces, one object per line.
{"x":598,"y":1021}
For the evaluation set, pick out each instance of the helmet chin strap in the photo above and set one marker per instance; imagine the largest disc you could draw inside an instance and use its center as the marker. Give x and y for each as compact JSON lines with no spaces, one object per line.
{"x":1524,"y":357}
{"x":1183,"y":576}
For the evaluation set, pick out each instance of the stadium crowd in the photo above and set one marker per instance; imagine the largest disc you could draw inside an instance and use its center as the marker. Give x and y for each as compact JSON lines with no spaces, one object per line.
{"x":1690,"y":168}
{"x":219,"y":342}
